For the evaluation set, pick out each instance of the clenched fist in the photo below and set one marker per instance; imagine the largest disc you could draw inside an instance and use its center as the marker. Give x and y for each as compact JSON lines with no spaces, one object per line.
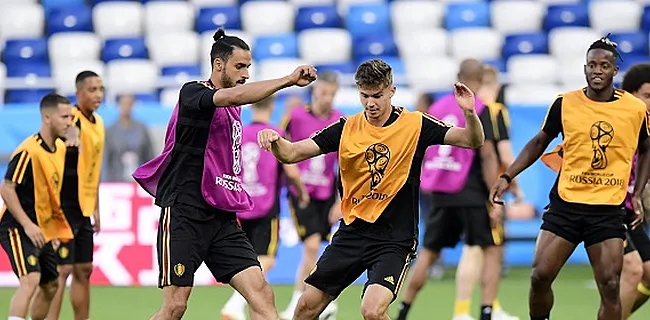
{"x":303,"y":75}
{"x":266,"y":137}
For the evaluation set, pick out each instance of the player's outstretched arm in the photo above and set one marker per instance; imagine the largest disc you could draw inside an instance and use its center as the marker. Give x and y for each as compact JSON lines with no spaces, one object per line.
{"x":256,"y":91}
{"x":285,"y":151}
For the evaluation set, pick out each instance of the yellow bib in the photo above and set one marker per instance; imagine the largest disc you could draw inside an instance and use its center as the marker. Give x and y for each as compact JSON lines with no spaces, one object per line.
{"x":375,"y":163}
{"x":91,"y":151}
{"x":47,"y":169}
{"x":600,"y":139}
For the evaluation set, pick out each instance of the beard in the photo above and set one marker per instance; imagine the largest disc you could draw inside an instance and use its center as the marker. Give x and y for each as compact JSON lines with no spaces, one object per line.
{"x":226,"y":81}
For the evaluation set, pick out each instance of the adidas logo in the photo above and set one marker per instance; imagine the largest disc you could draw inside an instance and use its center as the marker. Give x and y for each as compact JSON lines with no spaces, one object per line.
{"x":390,"y":280}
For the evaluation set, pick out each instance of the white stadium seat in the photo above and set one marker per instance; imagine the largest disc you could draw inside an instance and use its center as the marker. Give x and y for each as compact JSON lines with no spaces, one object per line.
{"x":615,"y":15}
{"x":432,"y":73}
{"x":178,"y":48}
{"x":532,"y":69}
{"x":344,"y":5}
{"x":3,"y":76}
{"x":572,"y":72}
{"x":276,"y":68}
{"x":75,"y":46}
{"x":422,"y":43}
{"x":347,"y":97}
{"x":118,"y":19}
{"x":24,"y":20}
{"x":571,"y":42}
{"x":327,"y":45}
{"x":169,"y":97}
{"x":168,"y":16}
{"x":267,"y":17}
{"x":65,"y":71}
{"x":213,"y":3}
{"x":550,"y":2}
{"x":413,"y":15}
{"x":132,"y":76}
{"x":532,"y":94}
{"x":477,"y":43}
{"x":305,"y":3}
{"x":518,"y":16}
{"x":405,"y":97}
{"x":206,"y":45}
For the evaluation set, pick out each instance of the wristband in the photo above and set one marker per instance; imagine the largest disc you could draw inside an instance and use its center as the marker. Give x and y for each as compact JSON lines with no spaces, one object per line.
{"x":506,"y":177}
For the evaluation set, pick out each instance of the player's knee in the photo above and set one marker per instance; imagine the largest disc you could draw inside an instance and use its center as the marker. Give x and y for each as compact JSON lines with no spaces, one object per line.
{"x":83,"y":271}
{"x":30,"y":281}
{"x":65,"y":271}
{"x":176,"y":308}
{"x":632,"y":269}
{"x":645,"y":279}
{"x":372,"y":311}
{"x":49,"y":289}
{"x":312,"y":243}
{"x":609,"y":285}
{"x":540,"y":276}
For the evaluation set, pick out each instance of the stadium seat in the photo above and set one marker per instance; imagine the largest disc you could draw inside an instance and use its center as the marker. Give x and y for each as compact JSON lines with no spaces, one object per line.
{"x":396,"y":63}
{"x":175,"y":48}
{"x":267,"y":17}
{"x":69,"y":19}
{"x":30,"y":75}
{"x":466,"y":15}
{"x":25,"y":20}
{"x":517,"y":16}
{"x":212,"y":3}
{"x":499,"y":64}
{"x":566,"y":15}
{"x":181,"y":74}
{"x":570,"y":42}
{"x":309,"y":3}
{"x":635,"y":43}
{"x":379,"y":45}
{"x":368,"y":19}
{"x":344,"y":67}
{"x":276,"y":46}
{"x":554,"y":2}
{"x":532,"y":94}
{"x":526,"y":43}
{"x":276,"y":68}
{"x":50,"y":5}
{"x":168,"y":16}
{"x":25,"y":95}
{"x":78,"y":46}
{"x":210,"y":19}
{"x":169,"y":97}
{"x":325,"y":46}
{"x":615,"y":15}
{"x":124,"y":48}
{"x":118,"y":19}
{"x":64,"y":73}
{"x":206,"y":45}
{"x":3,"y":76}
{"x":346,"y":98}
{"x":422,"y":43}
{"x":344,"y":5}
{"x":405,"y":97}
{"x":571,"y":72}
{"x":532,"y":69}
{"x":477,"y":43}
{"x":132,"y":76}
{"x":431,"y":74}
{"x":645,"y":19}
{"x":630,"y":60}
{"x":25,"y":51}
{"x":324,"y":16}
{"x":413,"y":15}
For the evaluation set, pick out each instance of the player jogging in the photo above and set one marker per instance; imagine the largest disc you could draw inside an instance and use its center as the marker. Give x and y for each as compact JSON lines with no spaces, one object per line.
{"x":601,"y":128}
{"x":32,"y":216}
{"x":197,"y":180}
{"x":314,"y":222}
{"x":262,"y":180}
{"x":80,"y":195}
{"x":380,"y":156}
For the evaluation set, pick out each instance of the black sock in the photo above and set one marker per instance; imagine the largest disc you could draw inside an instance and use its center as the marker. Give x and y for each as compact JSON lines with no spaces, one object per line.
{"x":486,"y":312}
{"x":403,"y":310}
{"x":546,"y":317}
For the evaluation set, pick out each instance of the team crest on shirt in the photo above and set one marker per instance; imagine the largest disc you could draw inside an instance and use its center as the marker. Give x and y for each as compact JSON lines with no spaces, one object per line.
{"x":601,"y":134}
{"x":63,"y":252}
{"x":179,"y":269}
{"x":32,"y":260}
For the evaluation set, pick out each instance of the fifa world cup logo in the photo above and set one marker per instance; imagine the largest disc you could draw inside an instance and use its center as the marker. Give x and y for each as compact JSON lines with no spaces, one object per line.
{"x":251,"y":157}
{"x":602,"y":133}
{"x":236,"y":147}
{"x":377,"y":157}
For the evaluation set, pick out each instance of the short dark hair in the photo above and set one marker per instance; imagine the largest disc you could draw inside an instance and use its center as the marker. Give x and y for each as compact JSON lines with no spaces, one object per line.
{"x":82,"y":76}
{"x":264,"y":103}
{"x":374,"y":73}
{"x":635,"y":77}
{"x":52,"y":100}
{"x":605,"y":44}
{"x":223,"y":46}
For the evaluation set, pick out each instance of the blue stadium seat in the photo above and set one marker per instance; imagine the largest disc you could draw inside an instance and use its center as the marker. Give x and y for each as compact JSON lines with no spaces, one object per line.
{"x":376,"y":45}
{"x":25,"y":51}
{"x":66,"y":19}
{"x":25,"y":95}
{"x":275,"y":46}
{"x":500,"y":64}
{"x":633,"y":43}
{"x":347,"y":67}
{"x":368,"y":19}
{"x":28,"y":71}
{"x":309,"y":17}
{"x":645,"y":19}
{"x":394,"y":62}
{"x":525,"y":43}
{"x":466,"y":15}
{"x":628,"y":61}
{"x":124,"y":48}
{"x":53,"y":4}
{"x":190,"y":70}
{"x":566,"y":15}
{"x":99,"y":1}
{"x":210,"y":19}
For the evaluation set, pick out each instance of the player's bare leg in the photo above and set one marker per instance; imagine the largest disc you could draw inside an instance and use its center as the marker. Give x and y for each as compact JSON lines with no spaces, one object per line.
{"x":630,"y":279}
{"x":42,"y":300}
{"x":174,"y":303}
{"x":643,"y":288}
{"x":419,"y":276}
{"x":376,"y":300}
{"x":468,"y":272}
{"x":19,"y":304}
{"x":80,"y":290}
{"x":311,"y":245}
{"x":234,"y":307}
{"x":551,"y":253}
{"x":55,"y":306}
{"x":490,"y":278}
{"x":607,"y":262}
{"x":251,"y":284}
{"x":311,"y":304}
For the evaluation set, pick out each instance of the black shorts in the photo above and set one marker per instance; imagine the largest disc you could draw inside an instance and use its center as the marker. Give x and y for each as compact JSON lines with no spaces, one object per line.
{"x":25,"y":257}
{"x":637,"y":239}
{"x":446,"y":226}
{"x":263,"y":233}
{"x":79,"y":249}
{"x":587,"y":228}
{"x":314,"y":219}
{"x":350,"y":254}
{"x":189,"y":236}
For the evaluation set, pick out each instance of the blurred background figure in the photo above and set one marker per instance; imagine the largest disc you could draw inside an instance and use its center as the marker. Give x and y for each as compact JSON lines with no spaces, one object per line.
{"x":128,"y":144}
